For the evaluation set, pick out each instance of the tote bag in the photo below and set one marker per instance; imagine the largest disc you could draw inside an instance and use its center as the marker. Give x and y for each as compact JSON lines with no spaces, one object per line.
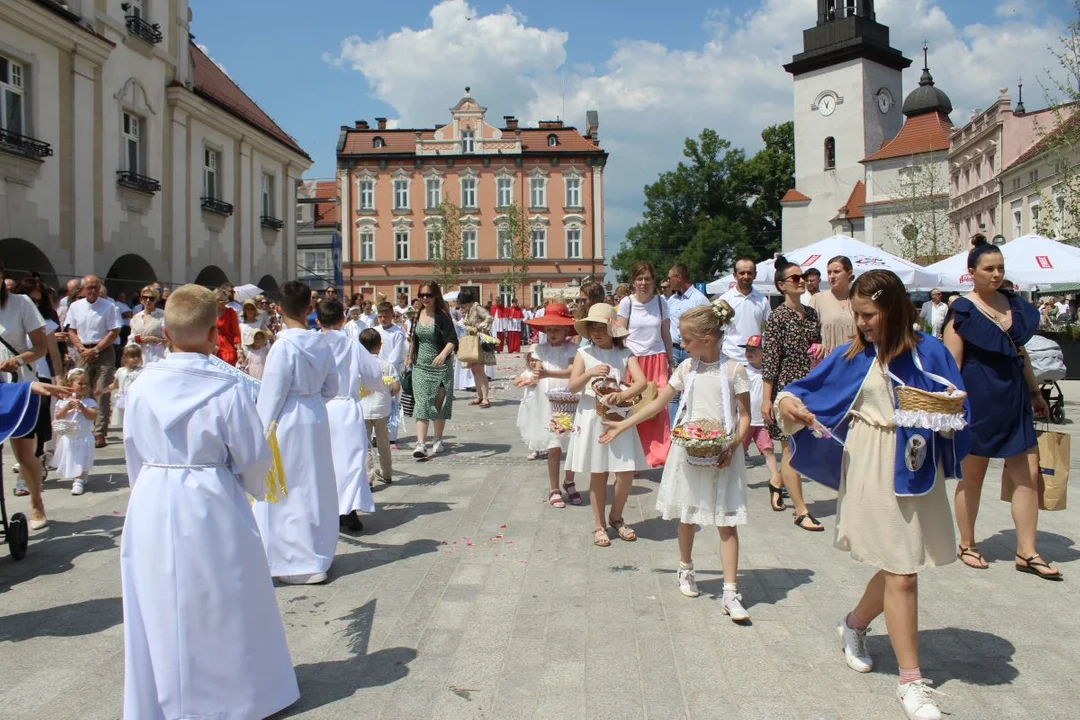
{"x":1054,"y":456}
{"x":469,"y":352}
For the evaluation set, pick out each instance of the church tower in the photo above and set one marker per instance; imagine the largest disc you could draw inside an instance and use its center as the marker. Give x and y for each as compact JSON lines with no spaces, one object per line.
{"x":847,"y":91}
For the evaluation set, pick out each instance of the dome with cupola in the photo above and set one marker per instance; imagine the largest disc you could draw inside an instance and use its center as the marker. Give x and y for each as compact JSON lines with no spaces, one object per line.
{"x":927,"y":98}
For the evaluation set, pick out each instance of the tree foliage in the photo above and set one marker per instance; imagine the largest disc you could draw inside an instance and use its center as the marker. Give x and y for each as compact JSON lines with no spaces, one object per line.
{"x":921,"y":224}
{"x":714,"y":205}
{"x":515,"y":246}
{"x":444,"y":246}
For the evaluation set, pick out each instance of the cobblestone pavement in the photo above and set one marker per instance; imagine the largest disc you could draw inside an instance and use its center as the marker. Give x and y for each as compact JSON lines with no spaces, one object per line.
{"x":467,"y":596}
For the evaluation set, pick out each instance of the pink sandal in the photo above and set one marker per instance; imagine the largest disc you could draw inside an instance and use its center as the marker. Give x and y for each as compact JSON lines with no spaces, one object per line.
{"x":555,"y":499}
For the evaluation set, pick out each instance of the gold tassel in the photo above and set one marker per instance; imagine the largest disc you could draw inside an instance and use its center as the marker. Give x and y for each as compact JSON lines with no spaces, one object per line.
{"x":275,"y":478}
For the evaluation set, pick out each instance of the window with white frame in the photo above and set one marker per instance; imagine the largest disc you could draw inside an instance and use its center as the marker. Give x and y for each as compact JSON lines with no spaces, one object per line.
{"x":468,"y":244}
{"x":367,"y":245}
{"x":135,"y":9}
{"x":132,"y":143}
{"x":539,"y":242}
{"x":468,"y":141}
{"x":316,"y":262}
{"x":1018,"y":218}
{"x":367,"y":194}
{"x":12,"y":96}
{"x":573,"y":191}
{"x":401,"y":244}
{"x":433,"y":192}
{"x":268,"y":196}
{"x":538,"y":192}
{"x":504,"y":191}
{"x":1059,"y":211}
{"x":401,"y":194}
{"x":573,"y":242}
{"x":505,"y":244}
{"x":1034,"y":206}
{"x":538,"y":296}
{"x":211,"y":186}
{"x":434,"y":243}
{"x":506,"y":294}
{"x":468,"y":192}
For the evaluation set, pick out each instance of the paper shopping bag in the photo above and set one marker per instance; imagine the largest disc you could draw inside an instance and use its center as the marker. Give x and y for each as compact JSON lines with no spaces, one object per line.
{"x":469,"y":350}
{"x":1054,"y":457}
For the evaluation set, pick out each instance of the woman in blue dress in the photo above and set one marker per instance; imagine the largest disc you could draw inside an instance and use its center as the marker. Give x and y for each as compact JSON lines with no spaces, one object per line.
{"x":986,"y":331}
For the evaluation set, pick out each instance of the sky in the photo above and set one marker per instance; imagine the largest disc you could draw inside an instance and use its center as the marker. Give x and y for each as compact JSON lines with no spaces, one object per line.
{"x":656,"y":73}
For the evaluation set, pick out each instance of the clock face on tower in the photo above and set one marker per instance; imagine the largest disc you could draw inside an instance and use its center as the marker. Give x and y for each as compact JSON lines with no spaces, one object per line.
{"x":884,"y":101}
{"x":827,"y":105}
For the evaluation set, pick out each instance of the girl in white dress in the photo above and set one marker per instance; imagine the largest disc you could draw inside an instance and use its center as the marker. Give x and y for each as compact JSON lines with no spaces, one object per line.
{"x":605,"y":357}
{"x":75,"y":449}
{"x":692,"y":494}
{"x":131,"y":363}
{"x":550,"y":364}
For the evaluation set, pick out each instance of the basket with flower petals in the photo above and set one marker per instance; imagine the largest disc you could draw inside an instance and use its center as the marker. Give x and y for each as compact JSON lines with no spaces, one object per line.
{"x":560,"y":423}
{"x":703,"y":440}
{"x":606,"y":407}
{"x":563,"y":401}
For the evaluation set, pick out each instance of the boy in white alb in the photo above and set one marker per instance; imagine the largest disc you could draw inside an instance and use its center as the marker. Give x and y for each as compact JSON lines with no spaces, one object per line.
{"x":394,"y":342}
{"x":202,"y":633}
{"x":378,"y":406}
{"x":300,"y":531}
{"x":357,"y":372}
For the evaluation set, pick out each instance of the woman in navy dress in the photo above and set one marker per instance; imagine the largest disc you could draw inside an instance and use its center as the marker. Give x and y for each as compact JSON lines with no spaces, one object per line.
{"x":986,"y":331}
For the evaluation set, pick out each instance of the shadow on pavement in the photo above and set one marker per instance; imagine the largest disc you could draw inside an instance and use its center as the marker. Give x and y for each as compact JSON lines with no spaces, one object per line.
{"x":1053,"y":547}
{"x":53,"y":550}
{"x":487,"y":449}
{"x":970,"y":656}
{"x":406,"y":478}
{"x":327,"y":682}
{"x":759,"y":586}
{"x":376,"y":555}
{"x":657,"y":529}
{"x":81,"y":618}
{"x":391,"y":515}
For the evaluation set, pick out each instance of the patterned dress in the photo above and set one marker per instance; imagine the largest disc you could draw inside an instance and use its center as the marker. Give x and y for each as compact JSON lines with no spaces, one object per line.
{"x":786,"y":351}
{"x":427,"y":378}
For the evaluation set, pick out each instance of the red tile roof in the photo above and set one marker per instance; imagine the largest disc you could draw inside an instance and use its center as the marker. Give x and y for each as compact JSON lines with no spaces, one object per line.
{"x":921,"y":134}
{"x":402,"y":141}
{"x":1045,"y":142}
{"x":212,"y":83}
{"x":327,"y":214}
{"x":794,"y":195}
{"x":854,"y":203}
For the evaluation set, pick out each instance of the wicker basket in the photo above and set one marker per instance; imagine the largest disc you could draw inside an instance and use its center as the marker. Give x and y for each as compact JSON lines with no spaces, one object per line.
{"x":699,"y":452}
{"x":61,"y":428}
{"x":942,"y":403}
{"x":563,"y":401}
{"x":607,"y":411}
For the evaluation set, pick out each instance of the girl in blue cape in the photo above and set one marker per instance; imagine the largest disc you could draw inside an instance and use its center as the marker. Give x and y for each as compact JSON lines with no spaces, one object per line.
{"x":888,"y":465}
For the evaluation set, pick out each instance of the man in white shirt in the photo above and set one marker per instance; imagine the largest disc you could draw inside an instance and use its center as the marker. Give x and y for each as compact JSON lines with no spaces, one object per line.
{"x":93,"y":325}
{"x":681,"y":297}
{"x":812,"y":276}
{"x":402,"y":304}
{"x":751,"y":308}
{"x":933,"y":313}
{"x":1062,"y":306}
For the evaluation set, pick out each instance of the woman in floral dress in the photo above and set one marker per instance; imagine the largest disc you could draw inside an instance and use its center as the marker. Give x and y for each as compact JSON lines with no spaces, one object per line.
{"x":789,"y":332}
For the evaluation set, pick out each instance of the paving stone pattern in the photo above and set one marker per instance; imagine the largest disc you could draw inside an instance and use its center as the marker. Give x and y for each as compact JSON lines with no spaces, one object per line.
{"x":467,"y":596}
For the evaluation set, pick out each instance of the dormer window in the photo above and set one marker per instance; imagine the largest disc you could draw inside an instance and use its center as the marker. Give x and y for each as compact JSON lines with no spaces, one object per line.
{"x":468,"y":141}
{"x":553,"y":140}
{"x":378,"y":142}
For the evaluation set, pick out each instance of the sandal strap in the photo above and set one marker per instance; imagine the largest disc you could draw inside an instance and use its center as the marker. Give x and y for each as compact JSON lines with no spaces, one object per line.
{"x":1031,"y":562}
{"x":806,"y":516}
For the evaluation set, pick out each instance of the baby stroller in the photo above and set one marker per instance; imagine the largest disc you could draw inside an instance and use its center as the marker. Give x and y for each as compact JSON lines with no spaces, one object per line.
{"x":1048,"y":364}
{"x":16,"y":529}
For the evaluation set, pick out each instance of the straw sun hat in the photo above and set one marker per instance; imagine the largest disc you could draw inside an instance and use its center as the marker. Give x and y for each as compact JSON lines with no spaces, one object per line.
{"x":604,"y":314}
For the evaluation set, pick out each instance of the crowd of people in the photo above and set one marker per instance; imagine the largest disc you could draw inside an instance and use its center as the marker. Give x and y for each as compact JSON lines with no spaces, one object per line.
{"x":298,"y":402}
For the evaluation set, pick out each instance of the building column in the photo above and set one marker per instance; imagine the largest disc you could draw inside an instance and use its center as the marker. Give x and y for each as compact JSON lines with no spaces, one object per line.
{"x":179,"y":186}
{"x":247,"y":211}
{"x":292,"y":179}
{"x":598,"y":212}
{"x":344,"y":197}
{"x":85,"y":126}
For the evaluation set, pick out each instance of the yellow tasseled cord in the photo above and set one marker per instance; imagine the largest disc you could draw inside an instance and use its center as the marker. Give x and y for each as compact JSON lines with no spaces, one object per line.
{"x":275,"y":478}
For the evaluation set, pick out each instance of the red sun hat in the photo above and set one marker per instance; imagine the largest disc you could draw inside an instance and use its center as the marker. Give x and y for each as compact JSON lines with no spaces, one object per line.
{"x":555,"y":315}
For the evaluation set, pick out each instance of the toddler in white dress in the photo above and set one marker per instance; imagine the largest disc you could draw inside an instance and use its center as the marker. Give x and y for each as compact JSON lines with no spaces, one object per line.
{"x":692,"y":494}
{"x":75,"y":447}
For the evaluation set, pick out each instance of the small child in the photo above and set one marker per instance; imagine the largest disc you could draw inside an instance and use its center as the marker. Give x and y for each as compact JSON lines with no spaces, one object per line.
{"x":255,"y":354}
{"x":75,"y":448}
{"x":759,"y":434}
{"x":130,"y":366}
{"x":693,"y":494}
{"x":379,"y":408}
{"x":394,"y":344}
{"x":550,"y":365}
{"x":197,"y":593}
{"x":606,"y":356}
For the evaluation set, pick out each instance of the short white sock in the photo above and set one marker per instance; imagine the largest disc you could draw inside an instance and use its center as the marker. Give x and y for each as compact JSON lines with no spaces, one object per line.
{"x":686,"y":566}
{"x":731,"y":588}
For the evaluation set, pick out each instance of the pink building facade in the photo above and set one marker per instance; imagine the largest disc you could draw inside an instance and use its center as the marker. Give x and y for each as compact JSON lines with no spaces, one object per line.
{"x":392,"y":182}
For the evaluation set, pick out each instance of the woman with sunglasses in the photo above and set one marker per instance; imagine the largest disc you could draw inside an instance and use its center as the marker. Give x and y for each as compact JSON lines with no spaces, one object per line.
{"x":789,"y":332}
{"x":432,"y":341}
{"x":148,"y":327}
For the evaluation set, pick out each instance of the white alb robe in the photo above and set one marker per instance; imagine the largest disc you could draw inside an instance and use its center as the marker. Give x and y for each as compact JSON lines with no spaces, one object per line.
{"x":202,"y":633}
{"x":355,"y":368}
{"x":300,"y":531}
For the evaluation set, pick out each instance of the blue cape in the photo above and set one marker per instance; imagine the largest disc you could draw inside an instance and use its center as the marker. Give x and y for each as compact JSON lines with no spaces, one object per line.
{"x":18,"y":410}
{"x":829,"y":392}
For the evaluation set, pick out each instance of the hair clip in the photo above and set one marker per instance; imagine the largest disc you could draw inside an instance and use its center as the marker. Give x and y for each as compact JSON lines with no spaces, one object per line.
{"x":875,"y":295}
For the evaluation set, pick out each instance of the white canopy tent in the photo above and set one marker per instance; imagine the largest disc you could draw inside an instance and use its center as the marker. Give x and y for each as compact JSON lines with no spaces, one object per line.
{"x":817,"y":255}
{"x":1030,"y":260}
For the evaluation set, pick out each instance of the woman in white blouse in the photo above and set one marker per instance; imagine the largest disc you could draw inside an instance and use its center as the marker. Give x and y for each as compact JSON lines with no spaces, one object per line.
{"x":148,"y":327}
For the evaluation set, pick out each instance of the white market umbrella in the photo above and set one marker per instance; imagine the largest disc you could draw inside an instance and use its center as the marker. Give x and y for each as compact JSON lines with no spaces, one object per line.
{"x":1029,"y":260}
{"x":244,"y":293}
{"x":863,"y":257}
{"x":451,"y":296}
{"x":722,"y":284}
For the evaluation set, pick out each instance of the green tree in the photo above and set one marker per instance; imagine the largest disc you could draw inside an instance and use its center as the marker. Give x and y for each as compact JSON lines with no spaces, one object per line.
{"x":515,"y":246}
{"x":444,"y":246}
{"x":714,"y":205}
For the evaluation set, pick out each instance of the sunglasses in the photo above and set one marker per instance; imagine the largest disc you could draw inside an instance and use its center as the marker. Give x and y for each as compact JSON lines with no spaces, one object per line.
{"x":425,"y":296}
{"x":148,"y":297}
{"x":795,"y":278}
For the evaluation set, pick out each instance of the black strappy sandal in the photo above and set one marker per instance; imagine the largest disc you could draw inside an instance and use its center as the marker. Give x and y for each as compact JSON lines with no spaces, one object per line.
{"x":973,"y":554}
{"x":1031,"y":564}
{"x":776,"y":495}
{"x":807,"y":516}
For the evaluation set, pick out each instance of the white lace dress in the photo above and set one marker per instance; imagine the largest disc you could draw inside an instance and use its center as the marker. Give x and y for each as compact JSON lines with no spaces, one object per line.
{"x":534,"y":413}
{"x":585,"y":453}
{"x":705,"y":495}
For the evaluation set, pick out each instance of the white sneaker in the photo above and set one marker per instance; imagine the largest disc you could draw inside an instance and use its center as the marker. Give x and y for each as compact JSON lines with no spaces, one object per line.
{"x":687,"y":583}
{"x":854,"y":646}
{"x":437,"y":447}
{"x":419,"y":451}
{"x":78,"y":487}
{"x":310,"y":579}
{"x":915,"y":698}
{"x":20,"y":488}
{"x":733,"y":607}
{"x":15,"y":468}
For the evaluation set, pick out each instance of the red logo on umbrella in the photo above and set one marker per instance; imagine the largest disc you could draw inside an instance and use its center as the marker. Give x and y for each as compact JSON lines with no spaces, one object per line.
{"x":1044,"y":262}
{"x":812,"y":259}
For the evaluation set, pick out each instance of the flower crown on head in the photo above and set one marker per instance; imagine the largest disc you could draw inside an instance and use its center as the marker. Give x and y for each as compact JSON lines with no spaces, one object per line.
{"x":723,"y":311}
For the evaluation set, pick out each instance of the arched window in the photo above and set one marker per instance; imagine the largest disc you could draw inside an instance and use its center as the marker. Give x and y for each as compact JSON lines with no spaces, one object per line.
{"x":378,"y":142}
{"x":553,"y":140}
{"x":830,"y":153}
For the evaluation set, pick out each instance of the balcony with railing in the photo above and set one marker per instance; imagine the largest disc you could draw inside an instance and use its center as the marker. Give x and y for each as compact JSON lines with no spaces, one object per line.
{"x":149,"y":33}
{"x":214,"y":205}
{"x":271,"y":223}
{"x":17,"y":144}
{"x":137,"y":182}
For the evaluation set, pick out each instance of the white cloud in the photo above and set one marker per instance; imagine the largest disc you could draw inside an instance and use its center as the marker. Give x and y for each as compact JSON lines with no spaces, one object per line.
{"x":651,"y":97}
